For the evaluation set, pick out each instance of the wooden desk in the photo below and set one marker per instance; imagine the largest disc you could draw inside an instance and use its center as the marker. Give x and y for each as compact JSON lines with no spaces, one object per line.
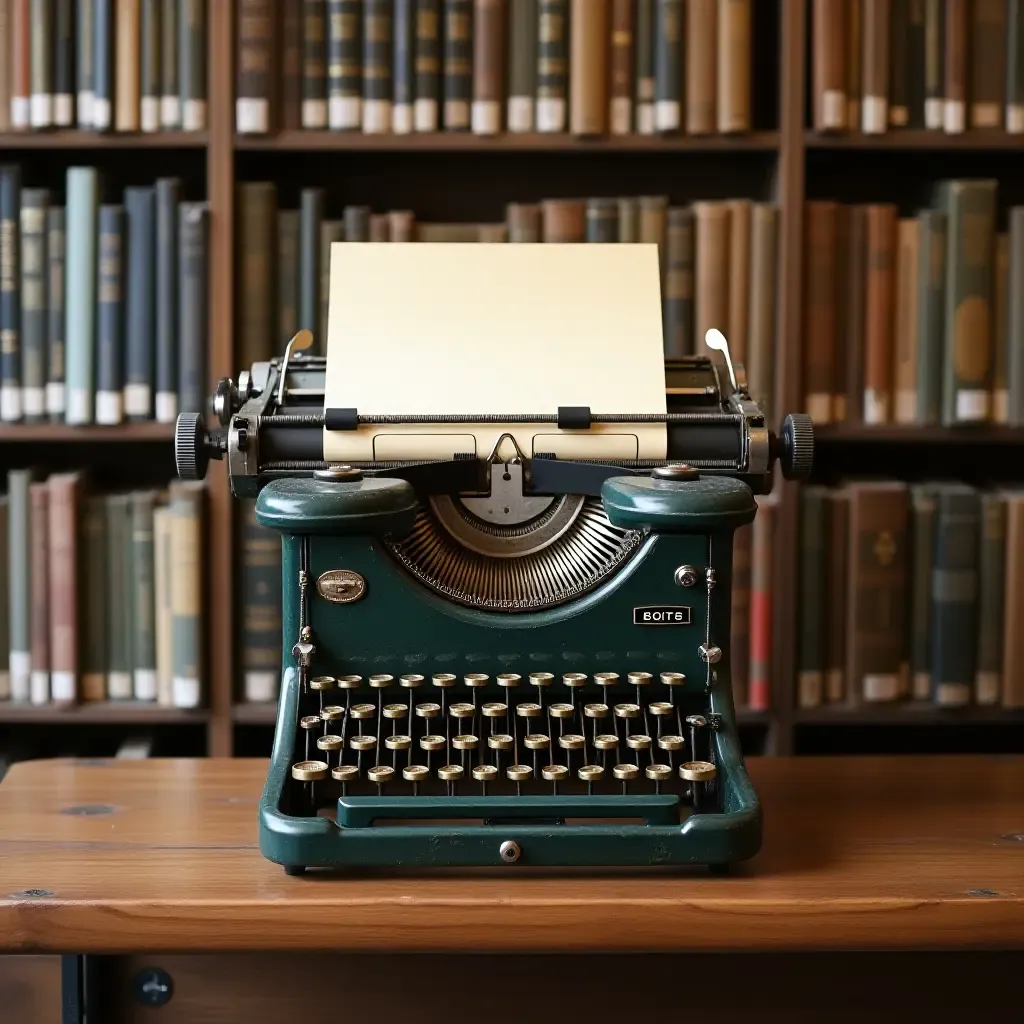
{"x":867,"y":854}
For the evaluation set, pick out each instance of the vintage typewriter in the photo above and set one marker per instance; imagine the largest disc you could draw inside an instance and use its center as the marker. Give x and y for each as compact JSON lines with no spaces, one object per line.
{"x":508,"y":659}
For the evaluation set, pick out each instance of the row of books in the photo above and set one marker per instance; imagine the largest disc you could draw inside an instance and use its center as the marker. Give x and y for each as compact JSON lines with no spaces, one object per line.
{"x":103,"y":306}
{"x":103,"y":65}
{"x":589,"y":67}
{"x":944,"y":65}
{"x":102,"y":593}
{"x":915,"y":319}
{"x":911,"y":592}
{"x":718,"y":262}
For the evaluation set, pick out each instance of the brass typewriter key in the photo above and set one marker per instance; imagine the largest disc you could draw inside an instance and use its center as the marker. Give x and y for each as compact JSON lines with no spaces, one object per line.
{"x":554,"y":773}
{"x":625,"y":773}
{"x":395,"y":743}
{"x":494,"y":710}
{"x":410,"y":681}
{"x":329,"y":744}
{"x":344,"y":773}
{"x":671,"y":744}
{"x":474,"y":680}
{"x":541,"y":680}
{"x":348,"y":684}
{"x":658,"y":773}
{"x":573,"y":681}
{"x":536,"y":741}
{"x":484,"y":773}
{"x":321,"y":684}
{"x":359,"y":744}
{"x":590,"y":773}
{"x":465,"y":742}
{"x":626,"y":712}
{"x":381,"y":774}
{"x":596,"y":712}
{"x":307,"y":724}
{"x":430,"y":743}
{"x":561,"y":712}
{"x":415,"y":773}
{"x":672,"y":680}
{"x":697,"y":772}
{"x":331,"y":713}
{"x":395,"y":713}
{"x":529,"y":710}
{"x":450,"y":773}
{"x":507,"y":680}
{"x":604,"y":742}
{"x":380,"y":683}
{"x":443,"y":681}
{"x":310,"y":772}
{"x":569,"y":742}
{"x":606,"y":680}
{"x":499,"y":741}
{"x":698,"y":725}
{"x":461,"y":712}
{"x":640,"y":680}
{"x":518,"y":773}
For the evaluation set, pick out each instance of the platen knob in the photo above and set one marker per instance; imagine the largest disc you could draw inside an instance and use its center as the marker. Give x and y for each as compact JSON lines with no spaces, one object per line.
{"x":194,"y":447}
{"x":796,"y":446}
{"x":225,"y":401}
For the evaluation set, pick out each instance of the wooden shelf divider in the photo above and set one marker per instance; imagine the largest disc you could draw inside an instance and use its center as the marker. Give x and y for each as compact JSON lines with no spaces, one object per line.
{"x":75,"y":139}
{"x":129,"y":712}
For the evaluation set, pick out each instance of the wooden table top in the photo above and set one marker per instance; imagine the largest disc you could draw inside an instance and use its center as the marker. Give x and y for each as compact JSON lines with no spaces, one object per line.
{"x":866,"y":853}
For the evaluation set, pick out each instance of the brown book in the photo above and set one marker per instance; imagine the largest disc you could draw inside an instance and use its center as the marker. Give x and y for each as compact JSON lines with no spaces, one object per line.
{"x":489,"y":32}
{"x":839,"y":360}
{"x":629,"y":218}
{"x":6,"y":57}
{"x":738,"y":327}
{"x":876,"y":16}
{"x":291,"y":65}
{"x":711,"y":307}
{"x":523,"y":221}
{"x":900,"y":59}
{"x":565,"y":220}
{"x":403,"y":225}
{"x":739,"y":629}
{"x":588,"y":41}
{"x":988,"y":63}
{"x":734,"y":65}
{"x":127,"y":84}
{"x":447,"y":232}
{"x":380,"y":227}
{"x":620,"y":104}
{"x":854,"y":62}
{"x":851,"y":327}
{"x":21,"y":64}
{"x":677,"y":290}
{"x":954,"y":118}
{"x":39,"y":592}
{"x":653,"y":226}
{"x":905,"y":374}
{"x":314,"y":64}
{"x":63,"y":577}
{"x":252,"y":65}
{"x":819,"y":332}
{"x":764,"y":247}
{"x":830,"y":27}
{"x":700,"y":67}
{"x":880,"y":288}
{"x":877,"y":663}
{"x":837,"y":525}
{"x":1013,"y":605}
{"x":257,"y":245}
{"x":1001,"y":317}
{"x":491,"y":233}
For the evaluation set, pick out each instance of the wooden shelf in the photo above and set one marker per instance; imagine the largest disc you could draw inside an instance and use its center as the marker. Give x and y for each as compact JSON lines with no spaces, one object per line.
{"x":908,"y":714}
{"x":74,"y":139}
{"x":128,"y":712}
{"x":254,"y":714}
{"x":858,"y":433}
{"x":912,"y":138}
{"x":465,"y":142}
{"x":21,"y":433}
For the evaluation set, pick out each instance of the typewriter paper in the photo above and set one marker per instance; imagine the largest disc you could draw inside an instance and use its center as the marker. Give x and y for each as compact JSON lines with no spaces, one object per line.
{"x":498,"y":329}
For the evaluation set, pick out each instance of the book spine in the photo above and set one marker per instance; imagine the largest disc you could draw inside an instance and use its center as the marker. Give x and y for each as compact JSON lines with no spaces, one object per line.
{"x":6,"y":72}
{"x":39,"y":593}
{"x":55,"y":310}
{"x":879,"y":313}
{"x":737,"y":324}
{"x":311,"y":216}
{"x":127,"y":66}
{"x":428,"y":65}
{"x":735,"y":27}
{"x":186,"y":598}
{"x":677,"y":311}
{"x":314,"y":69}
{"x":761,"y":573}
{"x":668,"y":50}
{"x":10,"y":294}
{"x":402,"y":225}
{"x":193,"y":277}
{"x":166,"y":299}
{"x":118,"y":578}
{"x":144,"y":679}
{"x":837,"y":519}
{"x":261,"y":608}
{"x":1013,"y":638}
{"x":564,"y":220}
{"x":931,"y":305}
{"x":19,"y":517}
{"x":356,"y":227}
{"x":1001,"y":333}
{"x":970,"y":207}
{"x":1015,"y":319}
{"x":21,"y":64}
{"x":63,"y":64}
{"x":403,"y":118}
{"x":552,"y":65}
{"x":103,"y":65}
{"x":876,"y":36}
{"x":80,"y":304}
{"x":829,"y":27}
{"x":170,"y":99}
{"x":5,"y":618}
{"x":34,"y":204}
{"x":602,"y":220}
{"x":906,"y":335}
{"x":377,"y":53}
{"x":1015,"y":67}
{"x":988,"y":63}
{"x":652,"y":225}
{"x":812,"y":598}
{"x":253,"y":66}
{"x":162,"y":626}
{"x":149,"y":70}
{"x":820,"y":308}
{"x":257,"y":228}
{"x":764,"y":245}
{"x":110,"y":316}
{"x":853,"y":325}
{"x":854,"y":63}
{"x":840,"y":384}
{"x":914,"y":71}
{"x":290,"y":82}
{"x":523,"y":221}
{"x":588,"y":41}
{"x":94,"y":605}
{"x":140,"y":302}
{"x":85,"y":72}
{"x":458,"y":63}
{"x":991,"y":587}
{"x":922,"y":554}
{"x":623,"y":51}
{"x":701,"y":67}
{"x":934,"y":64}
{"x":739,"y":615}
{"x":380,"y":231}
{"x":899,"y":62}
{"x":712,"y":278}
{"x":954,"y":112}
{"x":645,"y":67}
{"x":345,"y":64}
{"x":41,"y":64}
{"x":192,"y":74}
{"x":629,"y":218}
{"x":331,"y":231}
{"x":63,"y":585}
{"x":287,"y":278}
{"x":489,"y":41}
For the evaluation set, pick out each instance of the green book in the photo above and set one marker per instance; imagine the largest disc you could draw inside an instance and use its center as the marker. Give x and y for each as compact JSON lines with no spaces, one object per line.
{"x":143,"y":596}
{"x":991,"y":589}
{"x":931,"y":314}
{"x":922,"y":547}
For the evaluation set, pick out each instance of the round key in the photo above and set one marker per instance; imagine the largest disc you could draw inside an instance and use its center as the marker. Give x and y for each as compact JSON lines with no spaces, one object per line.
{"x":536,"y":741}
{"x":400,"y":742}
{"x":363,"y":711}
{"x":410,"y":680}
{"x":396,"y":710}
{"x":461,"y":710}
{"x":309,"y":771}
{"x":432,"y":742}
{"x":362,"y":742}
{"x":380,"y":773}
{"x":638,"y":741}
{"x":627,"y":710}
{"x":571,"y":741}
{"x":485,"y":772}
{"x":673,"y":678}
{"x":660,"y":707}
{"x":322,"y":683}
{"x":595,"y":710}
{"x":508,"y":680}
{"x":349,"y":682}
{"x":465,"y":742}
{"x":554,"y":772}
{"x":606,"y":741}
{"x":329,"y":743}
{"x":574,"y":680}
{"x":428,"y":710}
{"x":415,"y":773}
{"x":625,"y":772}
{"x":696,"y":721}
{"x":494,"y":709}
{"x":450,"y":772}
{"x":606,"y":679}
{"x":379,"y":682}
{"x":344,"y":772}
{"x":443,"y":680}
{"x":500,"y":741}
{"x":332,"y":713}
{"x":697,"y":771}
{"x":658,"y":772}
{"x":590,"y":772}
{"x":561,"y":710}
{"x":475,"y":679}
{"x":638,"y":678}
{"x":529,"y":710}
{"x":671,"y":742}
{"x":309,"y":722}
{"x":518,"y":772}
{"x":541,"y":679}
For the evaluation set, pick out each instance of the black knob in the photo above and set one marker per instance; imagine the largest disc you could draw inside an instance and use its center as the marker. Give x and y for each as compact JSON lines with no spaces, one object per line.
{"x":194,"y":446}
{"x":225,"y":401}
{"x":796,"y":446}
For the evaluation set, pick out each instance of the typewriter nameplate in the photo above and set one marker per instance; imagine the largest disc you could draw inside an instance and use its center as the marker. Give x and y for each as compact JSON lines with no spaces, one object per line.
{"x":663,"y":615}
{"x":341,"y":586}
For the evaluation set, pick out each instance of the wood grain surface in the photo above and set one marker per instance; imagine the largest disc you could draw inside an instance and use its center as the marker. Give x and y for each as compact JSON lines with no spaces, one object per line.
{"x":859,"y":853}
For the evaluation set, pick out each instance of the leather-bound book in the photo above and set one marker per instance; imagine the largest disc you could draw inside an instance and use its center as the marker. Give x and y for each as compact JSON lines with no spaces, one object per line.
{"x":193,"y":305}
{"x":143,"y":596}
{"x":828,"y":55}
{"x":564,"y":220}
{"x":140,"y":294}
{"x":988,"y":63}
{"x":837,"y":522}
{"x":880,"y":296}
{"x":84,"y":72}
{"x":1013,"y":635}
{"x":166,"y":300}
{"x":701,"y":67}
{"x":1015,"y":319}
{"x":34,"y":204}
{"x":380,"y":230}
{"x":93,"y":606}
{"x":875,"y":66}
{"x":906,"y":336}
{"x":914,"y":64}
{"x":356,"y":224}
{"x":819,"y":333}
{"x":931,"y":314}
{"x":6,"y":81}
{"x":110,"y":316}
{"x":56,"y":240}
{"x":899,"y":64}
{"x":170,"y":94}
{"x":602,"y":220}
{"x":738,"y":324}
{"x":522,"y":65}
{"x":552,"y":64}
{"x":261,"y":608}
{"x":764,"y":247}
{"x":712,"y":278}
{"x":840,"y":385}
{"x":991,"y":589}
{"x":877,"y":637}
{"x":588,"y":67}
{"x":21,"y":64}
{"x":668,"y":57}
{"x":629,"y":218}
{"x":187,"y":517}
{"x":652,"y":226}
{"x":854,"y":63}
{"x":623,"y":51}
{"x":192,"y":75}
{"x":954,"y":119}
{"x":311,"y":215}
{"x":734,"y":65}
{"x":1015,"y":67}
{"x":39,"y":592}
{"x":292,"y":23}
{"x":127,"y":85}
{"x":922,"y":556}
{"x":345,"y":64}
{"x":287,"y":282}
{"x":103,"y":64}
{"x":257,"y":273}
{"x":934,"y":64}
{"x":853,"y":325}
{"x":677,"y":290}
{"x":377,"y":56}
{"x":739,"y":615}
{"x":149,"y":70}
{"x":64,"y":63}
{"x":331,"y":231}
{"x":163,"y":559}
{"x":645,"y":15}
{"x":489,"y":234}
{"x":489,"y":42}
{"x":19,"y":573}
{"x":458,"y":63}
{"x":403,"y":71}
{"x":41,"y":64}
{"x":813,"y":597}
{"x":1000,"y":330}
{"x":428,"y":65}
{"x":402,"y":225}
{"x":314,"y":64}
{"x":524,"y":222}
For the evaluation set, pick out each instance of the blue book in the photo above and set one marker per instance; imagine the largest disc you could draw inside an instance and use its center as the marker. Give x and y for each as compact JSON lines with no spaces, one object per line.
{"x":140,"y":273}
{"x":80,"y":303}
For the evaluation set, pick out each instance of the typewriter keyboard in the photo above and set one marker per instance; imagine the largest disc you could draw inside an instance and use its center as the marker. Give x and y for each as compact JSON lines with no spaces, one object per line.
{"x":480,"y":736}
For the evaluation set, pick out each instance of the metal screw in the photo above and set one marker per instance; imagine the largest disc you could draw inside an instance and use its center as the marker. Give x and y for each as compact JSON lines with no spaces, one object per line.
{"x":509,"y":851}
{"x":153,"y":987}
{"x":685,"y":576}
{"x":710,"y":654}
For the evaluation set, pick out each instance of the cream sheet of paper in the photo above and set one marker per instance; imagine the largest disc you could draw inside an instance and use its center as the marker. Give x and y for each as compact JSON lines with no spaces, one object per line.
{"x":499,"y":329}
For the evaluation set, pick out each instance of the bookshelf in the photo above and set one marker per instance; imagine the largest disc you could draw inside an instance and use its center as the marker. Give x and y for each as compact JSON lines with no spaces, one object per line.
{"x":782,"y":160}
